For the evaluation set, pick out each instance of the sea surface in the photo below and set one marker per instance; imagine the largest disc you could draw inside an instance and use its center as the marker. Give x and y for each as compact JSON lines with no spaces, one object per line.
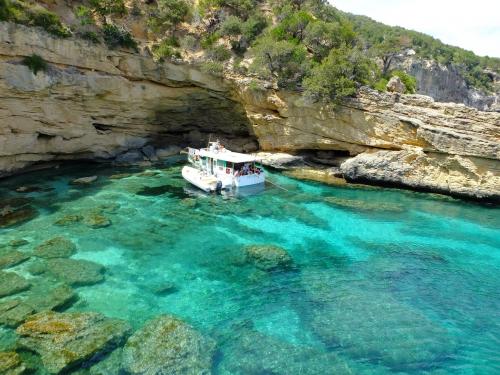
{"x":383,"y":280}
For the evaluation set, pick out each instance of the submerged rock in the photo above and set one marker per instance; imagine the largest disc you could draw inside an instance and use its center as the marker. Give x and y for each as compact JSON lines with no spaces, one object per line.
{"x":29,"y":189}
{"x":11,"y":364}
{"x":11,"y":258}
{"x":96,"y":220}
{"x":68,"y":220}
{"x":14,"y":211}
{"x":167,"y":345}
{"x":14,"y":312}
{"x":119,"y":176}
{"x":251,"y":352}
{"x":74,"y":272}
{"x":43,"y":297}
{"x":363,"y":205}
{"x":18,"y":242}
{"x":268,"y":257}
{"x":372,"y":326}
{"x":84,"y":180}
{"x":57,"y":247}
{"x":66,"y":340}
{"x":12,"y":283}
{"x":165,"y":288}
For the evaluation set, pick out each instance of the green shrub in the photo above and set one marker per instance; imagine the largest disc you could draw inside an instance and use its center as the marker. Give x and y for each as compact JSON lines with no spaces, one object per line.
{"x":381,"y":84}
{"x":218,"y":53}
{"x":115,"y":36}
{"x":213,"y":67}
{"x":166,"y":49}
{"x":84,"y":14}
{"x":35,"y":63}
{"x":49,"y":22}
{"x":283,"y":60}
{"x":320,"y":37}
{"x":208,"y":40}
{"x":90,"y":36}
{"x":292,"y":27}
{"x":338,"y":75}
{"x":253,"y":26}
{"x":409,"y":81}
{"x":189,"y":42}
{"x":108,"y":7}
{"x":168,"y":14}
{"x":231,"y":26}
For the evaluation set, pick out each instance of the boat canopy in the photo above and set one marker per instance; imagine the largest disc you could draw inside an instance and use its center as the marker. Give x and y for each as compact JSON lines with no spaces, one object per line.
{"x":233,"y":157}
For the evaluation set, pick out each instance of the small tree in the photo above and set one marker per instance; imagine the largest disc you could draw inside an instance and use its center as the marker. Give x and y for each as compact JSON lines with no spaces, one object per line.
{"x":169,"y":14}
{"x":320,"y":37}
{"x":282,"y":60}
{"x":390,"y":47}
{"x":338,"y":75}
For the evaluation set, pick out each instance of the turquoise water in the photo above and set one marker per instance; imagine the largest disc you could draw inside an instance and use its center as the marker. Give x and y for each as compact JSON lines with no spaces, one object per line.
{"x":384,"y":281}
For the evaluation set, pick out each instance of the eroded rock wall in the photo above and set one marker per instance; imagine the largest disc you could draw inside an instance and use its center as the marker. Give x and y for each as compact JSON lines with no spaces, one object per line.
{"x":95,"y":103}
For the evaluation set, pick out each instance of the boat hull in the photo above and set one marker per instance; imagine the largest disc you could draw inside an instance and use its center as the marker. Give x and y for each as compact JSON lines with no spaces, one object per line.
{"x":195,"y":177}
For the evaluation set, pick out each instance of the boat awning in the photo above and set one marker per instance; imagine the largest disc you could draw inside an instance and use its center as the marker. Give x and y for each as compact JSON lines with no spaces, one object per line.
{"x":233,"y":157}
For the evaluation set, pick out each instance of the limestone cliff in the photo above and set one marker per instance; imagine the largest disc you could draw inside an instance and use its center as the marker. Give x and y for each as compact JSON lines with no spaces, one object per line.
{"x":96,"y":103}
{"x":444,"y":83}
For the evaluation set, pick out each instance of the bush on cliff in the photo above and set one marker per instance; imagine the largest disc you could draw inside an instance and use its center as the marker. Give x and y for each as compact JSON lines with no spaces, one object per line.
{"x":35,"y":63}
{"x":115,"y":37}
{"x":168,"y":14}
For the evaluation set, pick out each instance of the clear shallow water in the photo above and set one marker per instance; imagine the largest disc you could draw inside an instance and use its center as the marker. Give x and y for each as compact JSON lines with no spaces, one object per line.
{"x":385,"y":281}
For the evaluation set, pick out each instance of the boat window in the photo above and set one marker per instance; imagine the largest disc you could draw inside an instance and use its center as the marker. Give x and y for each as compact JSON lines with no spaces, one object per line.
{"x":221,"y":163}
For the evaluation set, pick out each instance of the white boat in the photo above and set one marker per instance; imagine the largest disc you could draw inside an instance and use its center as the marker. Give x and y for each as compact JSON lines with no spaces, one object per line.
{"x":215,"y":168}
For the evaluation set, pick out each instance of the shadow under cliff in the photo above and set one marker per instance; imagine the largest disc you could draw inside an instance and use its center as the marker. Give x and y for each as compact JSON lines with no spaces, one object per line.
{"x":202,"y":115}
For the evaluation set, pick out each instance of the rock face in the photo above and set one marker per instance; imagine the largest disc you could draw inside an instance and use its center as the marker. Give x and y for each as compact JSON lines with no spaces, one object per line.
{"x":444,"y":83}
{"x":448,"y":174}
{"x":395,"y":85}
{"x":96,"y":103}
{"x":65,"y":340}
{"x":167,"y":345}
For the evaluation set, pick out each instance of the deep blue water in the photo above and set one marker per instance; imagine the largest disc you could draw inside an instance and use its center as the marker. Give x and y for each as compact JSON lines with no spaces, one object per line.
{"x":384,"y":280}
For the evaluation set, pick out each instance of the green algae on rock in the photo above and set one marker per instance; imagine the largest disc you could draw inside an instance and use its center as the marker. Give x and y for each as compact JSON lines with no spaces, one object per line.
{"x":57,"y":247}
{"x":18,"y":242}
{"x":12,"y":283}
{"x":268,"y":257}
{"x":11,"y":364}
{"x":167,"y":345}
{"x":66,"y":340}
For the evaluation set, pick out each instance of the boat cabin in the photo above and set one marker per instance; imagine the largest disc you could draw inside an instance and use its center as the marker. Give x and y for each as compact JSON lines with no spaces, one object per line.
{"x":231,"y":168}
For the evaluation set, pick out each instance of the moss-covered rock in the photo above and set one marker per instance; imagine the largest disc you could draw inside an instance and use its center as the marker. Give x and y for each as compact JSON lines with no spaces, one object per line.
{"x":11,"y":364}
{"x":67,"y":340}
{"x":15,"y":211}
{"x":11,"y":258}
{"x":19,"y":242}
{"x":57,"y":247}
{"x":12,"y":283}
{"x":167,"y":345}
{"x":268,"y":257}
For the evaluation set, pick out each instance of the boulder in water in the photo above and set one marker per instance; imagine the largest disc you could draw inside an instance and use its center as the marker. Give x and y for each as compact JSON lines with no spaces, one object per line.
{"x":11,"y":258}
{"x":12,"y":283}
{"x":14,"y":312}
{"x":18,"y":242}
{"x":167,"y":345}
{"x":11,"y":364}
{"x":84,"y":180}
{"x":15,"y":211}
{"x":74,"y":272}
{"x":96,"y":220}
{"x":43,"y":297}
{"x":67,"y":340}
{"x":57,"y":247}
{"x":68,"y":220}
{"x":268,"y":257}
